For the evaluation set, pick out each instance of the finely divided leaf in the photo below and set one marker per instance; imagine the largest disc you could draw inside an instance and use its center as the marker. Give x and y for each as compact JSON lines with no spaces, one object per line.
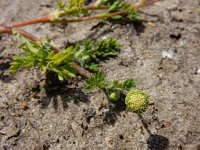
{"x":40,"y":54}
{"x":126,"y":85}
{"x":89,"y":53}
{"x":96,"y":81}
{"x":60,"y":5}
{"x":76,"y":4}
{"x":120,"y":6}
{"x":104,"y":2}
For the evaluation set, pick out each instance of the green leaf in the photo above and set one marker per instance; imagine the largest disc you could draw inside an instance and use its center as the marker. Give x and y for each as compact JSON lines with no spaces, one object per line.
{"x":120,"y":6}
{"x":92,"y":67}
{"x":132,"y":15}
{"x":60,"y":5}
{"x":106,"y":48}
{"x":76,"y":4}
{"x":88,"y":53}
{"x":126,"y":85}
{"x":60,"y":78}
{"x":116,"y":17}
{"x":96,"y":81}
{"x":40,"y":54}
{"x":104,"y":2}
{"x":75,"y":8}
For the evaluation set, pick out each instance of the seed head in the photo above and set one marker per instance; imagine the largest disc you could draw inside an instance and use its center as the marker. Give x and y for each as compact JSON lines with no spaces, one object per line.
{"x":137,"y":101}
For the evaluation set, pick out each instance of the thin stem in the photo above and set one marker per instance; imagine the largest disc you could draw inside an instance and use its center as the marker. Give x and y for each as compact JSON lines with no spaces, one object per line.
{"x":4,"y":30}
{"x":81,"y":70}
{"x":93,"y":7}
{"x":48,"y":19}
{"x":35,"y":39}
{"x":101,"y":16}
{"x":43,"y":19}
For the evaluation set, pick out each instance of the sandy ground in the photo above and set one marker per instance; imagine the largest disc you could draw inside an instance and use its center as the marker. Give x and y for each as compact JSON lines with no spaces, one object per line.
{"x":162,"y":53}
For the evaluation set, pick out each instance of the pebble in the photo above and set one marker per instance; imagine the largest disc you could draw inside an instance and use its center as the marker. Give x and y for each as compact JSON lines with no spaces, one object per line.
{"x":104,"y":37}
{"x":169,"y":53}
{"x":198,"y":71}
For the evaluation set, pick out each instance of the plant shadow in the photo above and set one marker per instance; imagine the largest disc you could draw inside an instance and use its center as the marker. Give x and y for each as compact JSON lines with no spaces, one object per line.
{"x":96,"y":29}
{"x":114,"y":110}
{"x":4,"y":66}
{"x":138,"y":25}
{"x":57,"y":90}
{"x":155,"y":141}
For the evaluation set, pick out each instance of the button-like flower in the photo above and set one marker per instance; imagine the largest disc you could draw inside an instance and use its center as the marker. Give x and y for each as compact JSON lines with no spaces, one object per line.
{"x":114,"y":96}
{"x":137,"y":101}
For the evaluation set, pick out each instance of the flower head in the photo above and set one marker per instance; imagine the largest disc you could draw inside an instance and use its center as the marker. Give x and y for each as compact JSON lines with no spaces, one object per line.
{"x":114,"y":96}
{"x":137,"y":101}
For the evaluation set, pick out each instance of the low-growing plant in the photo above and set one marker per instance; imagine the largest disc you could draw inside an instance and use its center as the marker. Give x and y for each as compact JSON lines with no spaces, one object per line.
{"x":84,"y":57}
{"x":198,"y":11}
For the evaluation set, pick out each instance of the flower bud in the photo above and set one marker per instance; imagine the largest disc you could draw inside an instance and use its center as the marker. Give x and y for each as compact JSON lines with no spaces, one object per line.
{"x":137,"y":101}
{"x":114,"y":96}
{"x":86,"y":59}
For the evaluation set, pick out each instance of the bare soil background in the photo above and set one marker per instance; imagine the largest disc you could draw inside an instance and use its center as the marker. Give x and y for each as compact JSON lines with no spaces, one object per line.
{"x":162,"y":53}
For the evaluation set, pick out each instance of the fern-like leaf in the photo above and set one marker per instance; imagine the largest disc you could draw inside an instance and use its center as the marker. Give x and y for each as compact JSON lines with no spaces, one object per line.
{"x":98,"y":81}
{"x":120,"y":6}
{"x":40,"y":54}
{"x":88,"y":53}
{"x":126,"y":85}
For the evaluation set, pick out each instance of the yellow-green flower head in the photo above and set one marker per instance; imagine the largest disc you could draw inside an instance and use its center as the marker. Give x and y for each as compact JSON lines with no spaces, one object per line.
{"x":137,"y":101}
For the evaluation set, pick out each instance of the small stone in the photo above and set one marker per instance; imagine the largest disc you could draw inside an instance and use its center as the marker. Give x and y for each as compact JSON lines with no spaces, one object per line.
{"x":169,"y":53}
{"x":198,"y":71}
{"x":24,"y":106}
